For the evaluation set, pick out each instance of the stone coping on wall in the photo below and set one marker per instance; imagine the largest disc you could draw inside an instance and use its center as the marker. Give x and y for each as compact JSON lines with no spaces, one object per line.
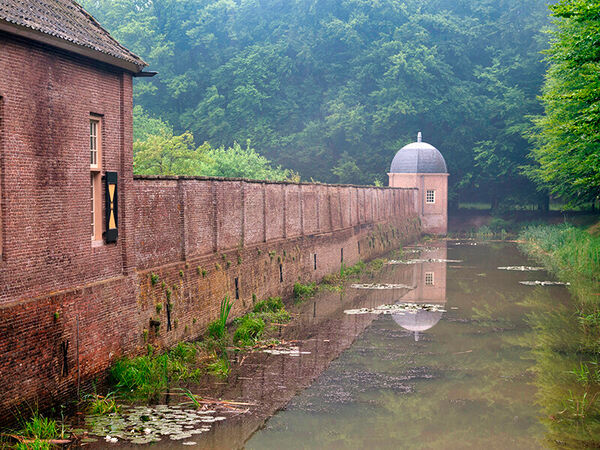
{"x":250,"y":180}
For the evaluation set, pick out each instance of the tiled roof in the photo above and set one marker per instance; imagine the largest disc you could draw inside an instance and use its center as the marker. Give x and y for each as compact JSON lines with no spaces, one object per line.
{"x":67,"y":20}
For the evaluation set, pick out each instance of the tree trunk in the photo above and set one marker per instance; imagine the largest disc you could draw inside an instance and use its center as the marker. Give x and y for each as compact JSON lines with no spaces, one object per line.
{"x":544,"y":204}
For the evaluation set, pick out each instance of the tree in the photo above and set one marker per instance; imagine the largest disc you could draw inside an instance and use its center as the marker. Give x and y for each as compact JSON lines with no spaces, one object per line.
{"x":166,"y":154}
{"x":240,"y":162}
{"x":145,"y":125}
{"x":341,"y":81}
{"x":568,"y":134}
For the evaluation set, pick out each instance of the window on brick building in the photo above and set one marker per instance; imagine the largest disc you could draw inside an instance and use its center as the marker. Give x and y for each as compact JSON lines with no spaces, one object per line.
{"x":95,"y":178}
{"x":430,"y":196}
{"x":429,"y":278}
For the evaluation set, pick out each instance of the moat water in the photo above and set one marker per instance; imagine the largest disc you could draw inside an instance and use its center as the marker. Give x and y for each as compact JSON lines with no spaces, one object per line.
{"x":449,"y":365}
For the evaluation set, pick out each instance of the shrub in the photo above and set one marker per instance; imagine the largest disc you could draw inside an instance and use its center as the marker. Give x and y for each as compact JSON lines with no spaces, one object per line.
{"x":249,"y":330}
{"x":304,"y":291}
{"x":220,"y":367}
{"x":272,"y":304}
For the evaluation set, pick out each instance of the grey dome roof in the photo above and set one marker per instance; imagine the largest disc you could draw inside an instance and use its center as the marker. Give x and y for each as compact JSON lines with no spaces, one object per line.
{"x":418,"y":157}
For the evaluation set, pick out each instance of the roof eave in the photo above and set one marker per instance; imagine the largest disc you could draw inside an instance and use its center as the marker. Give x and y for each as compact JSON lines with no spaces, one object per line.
{"x":62,"y":44}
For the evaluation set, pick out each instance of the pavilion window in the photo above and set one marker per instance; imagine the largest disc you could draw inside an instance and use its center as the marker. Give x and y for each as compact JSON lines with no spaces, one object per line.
{"x":430,"y":196}
{"x":429,"y":279}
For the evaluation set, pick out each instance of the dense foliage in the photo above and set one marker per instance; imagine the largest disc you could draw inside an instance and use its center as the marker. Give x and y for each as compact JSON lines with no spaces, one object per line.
{"x":568,"y":139}
{"x":157,"y":151}
{"x":345,"y":83}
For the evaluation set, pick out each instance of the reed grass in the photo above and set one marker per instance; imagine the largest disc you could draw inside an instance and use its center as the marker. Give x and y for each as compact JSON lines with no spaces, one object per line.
{"x":568,"y":251}
{"x":149,"y":376}
{"x":218,"y":328}
{"x":250,"y":329}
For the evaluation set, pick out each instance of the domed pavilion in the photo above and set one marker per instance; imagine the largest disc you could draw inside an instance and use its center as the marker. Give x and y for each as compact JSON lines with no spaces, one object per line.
{"x":420,"y":165}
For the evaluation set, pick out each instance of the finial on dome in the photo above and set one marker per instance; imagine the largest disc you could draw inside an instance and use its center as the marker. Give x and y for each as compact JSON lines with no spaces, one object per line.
{"x":419,"y":136}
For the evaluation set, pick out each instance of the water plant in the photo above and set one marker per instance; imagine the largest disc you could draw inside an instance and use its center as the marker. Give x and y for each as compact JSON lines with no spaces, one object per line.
{"x":217,"y":329}
{"x":272,"y":310}
{"x":272,"y":304}
{"x":567,"y":337}
{"x":564,"y":249}
{"x":193,"y":398}
{"x":249,"y":330}
{"x":36,"y":432}
{"x":99,"y":404}
{"x":40,"y":427}
{"x":220,"y":367}
{"x":150,"y":375}
{"x":304,"y":291}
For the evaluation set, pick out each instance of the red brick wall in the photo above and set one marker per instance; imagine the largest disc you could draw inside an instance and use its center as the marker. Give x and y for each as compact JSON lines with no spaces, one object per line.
{"x":51,"y":277}
{"x":47,"y":99}
{"x":67,"y":303}
{"x":196,"y":284}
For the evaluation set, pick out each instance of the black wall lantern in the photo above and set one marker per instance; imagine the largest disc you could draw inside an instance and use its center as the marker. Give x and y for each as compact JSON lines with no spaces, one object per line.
{"x":111,"y":208}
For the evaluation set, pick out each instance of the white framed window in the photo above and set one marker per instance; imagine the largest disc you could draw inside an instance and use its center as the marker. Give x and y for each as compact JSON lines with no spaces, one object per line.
{"x":94,"y":143}
{"x":96,"y":177}
{"x":429,"y":279}
{"x":430,"y":196}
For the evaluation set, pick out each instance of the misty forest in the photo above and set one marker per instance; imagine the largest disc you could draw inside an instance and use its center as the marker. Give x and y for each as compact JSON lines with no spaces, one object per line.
{"x":507,"y":90}
{"x":352,"y":224}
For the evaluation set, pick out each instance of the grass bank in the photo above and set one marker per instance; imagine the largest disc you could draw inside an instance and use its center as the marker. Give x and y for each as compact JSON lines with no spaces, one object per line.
{"x":565,"y":337}
{"x":569,"y":252}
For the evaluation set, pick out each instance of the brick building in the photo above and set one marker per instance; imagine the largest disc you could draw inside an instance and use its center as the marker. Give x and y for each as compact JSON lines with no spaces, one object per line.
{"x":65,"y":131}
{"x":83,"y":242}
{"x":420,"y":165}
{"x":66,"y":101}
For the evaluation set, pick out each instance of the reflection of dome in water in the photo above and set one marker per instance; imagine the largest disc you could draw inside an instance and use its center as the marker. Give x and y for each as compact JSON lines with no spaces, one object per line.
{"x":419,"y":321}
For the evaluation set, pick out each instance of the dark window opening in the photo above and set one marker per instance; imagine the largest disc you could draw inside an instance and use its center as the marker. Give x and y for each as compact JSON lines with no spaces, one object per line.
{"x":237,"y":288}
{"x":280,"y":273}
{"x":359,"y":248}
{"x":64,"y":346}
{"x":342,"y":255}
{"x":315,"y":261}
{"x":169,"y":305}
